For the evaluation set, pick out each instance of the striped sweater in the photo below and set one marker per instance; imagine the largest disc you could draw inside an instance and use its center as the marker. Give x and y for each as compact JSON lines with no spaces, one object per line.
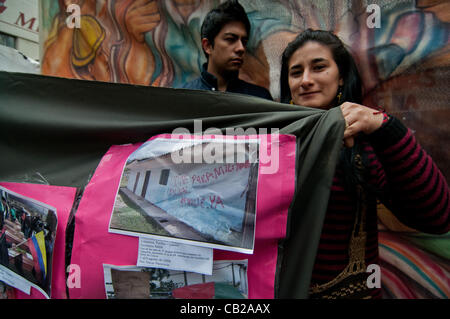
{"x":416,"y":192}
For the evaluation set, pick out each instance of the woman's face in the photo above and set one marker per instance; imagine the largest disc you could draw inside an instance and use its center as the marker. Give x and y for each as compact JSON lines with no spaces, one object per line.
{"x":313,"y":76}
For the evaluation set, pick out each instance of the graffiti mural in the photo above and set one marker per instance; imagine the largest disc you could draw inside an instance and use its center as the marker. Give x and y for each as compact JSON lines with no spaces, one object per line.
{"x":401,"y":48}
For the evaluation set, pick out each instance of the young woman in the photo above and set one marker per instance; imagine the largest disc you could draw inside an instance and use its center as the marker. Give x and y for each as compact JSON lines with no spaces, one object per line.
{"x":381,"y":160}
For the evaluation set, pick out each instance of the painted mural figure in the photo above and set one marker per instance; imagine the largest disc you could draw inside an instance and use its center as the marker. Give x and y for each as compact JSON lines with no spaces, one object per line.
{"x":142,"y":43}
{"x":167,"y":35}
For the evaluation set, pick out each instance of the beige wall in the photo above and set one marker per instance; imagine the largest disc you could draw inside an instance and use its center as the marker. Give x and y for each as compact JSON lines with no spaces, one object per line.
{"x":19,"y":18}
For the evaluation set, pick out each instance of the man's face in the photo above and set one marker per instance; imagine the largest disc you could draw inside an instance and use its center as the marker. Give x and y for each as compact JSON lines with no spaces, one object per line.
{"x":227,"y":54}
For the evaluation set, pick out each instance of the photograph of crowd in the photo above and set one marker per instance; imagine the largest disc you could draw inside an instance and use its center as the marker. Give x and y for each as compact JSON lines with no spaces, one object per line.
{"x":27,"y":237}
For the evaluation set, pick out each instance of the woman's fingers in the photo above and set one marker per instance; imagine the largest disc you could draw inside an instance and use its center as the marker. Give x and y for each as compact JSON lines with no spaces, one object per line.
{"x":360,"y":118}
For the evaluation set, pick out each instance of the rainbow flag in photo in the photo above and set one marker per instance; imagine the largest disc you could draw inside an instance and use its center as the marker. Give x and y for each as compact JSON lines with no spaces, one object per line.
{"x":37,"y":247}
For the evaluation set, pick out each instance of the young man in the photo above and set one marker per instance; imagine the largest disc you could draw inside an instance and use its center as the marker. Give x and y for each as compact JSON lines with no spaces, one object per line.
{"x":225,"y":33}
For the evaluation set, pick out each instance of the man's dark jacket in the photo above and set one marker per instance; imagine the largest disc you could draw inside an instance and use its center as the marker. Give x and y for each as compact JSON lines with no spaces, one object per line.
{"x":207,"y":81}
{"x":55,"y":131}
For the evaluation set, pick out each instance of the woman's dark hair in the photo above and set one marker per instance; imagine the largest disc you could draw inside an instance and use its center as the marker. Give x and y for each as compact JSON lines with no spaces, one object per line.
{"x":352,"y":88}
{"x":227,"y":12}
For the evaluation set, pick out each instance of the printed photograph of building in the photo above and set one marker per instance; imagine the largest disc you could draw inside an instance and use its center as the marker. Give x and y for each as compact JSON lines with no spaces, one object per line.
{"x":211,"y":204}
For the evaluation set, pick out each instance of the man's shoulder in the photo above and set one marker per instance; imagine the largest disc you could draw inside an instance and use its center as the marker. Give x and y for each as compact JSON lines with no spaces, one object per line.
{"x":255,"y":90}
{"x":239,"y":86}
{"x":195,"y":84}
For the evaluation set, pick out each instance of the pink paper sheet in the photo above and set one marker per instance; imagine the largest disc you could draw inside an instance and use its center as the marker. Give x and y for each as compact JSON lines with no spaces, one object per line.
{"x":94,"y":245}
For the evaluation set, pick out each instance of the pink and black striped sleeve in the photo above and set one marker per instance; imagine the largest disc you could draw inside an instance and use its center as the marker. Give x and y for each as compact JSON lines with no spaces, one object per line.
{"x":415,"y":189}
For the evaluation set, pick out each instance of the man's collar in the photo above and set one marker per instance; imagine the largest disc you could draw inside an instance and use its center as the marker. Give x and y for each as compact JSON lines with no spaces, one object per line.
{"x":211,"y":79}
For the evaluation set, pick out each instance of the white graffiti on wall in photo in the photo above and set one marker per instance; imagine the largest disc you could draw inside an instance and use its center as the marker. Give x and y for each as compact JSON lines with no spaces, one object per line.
{"x":74,"y":19}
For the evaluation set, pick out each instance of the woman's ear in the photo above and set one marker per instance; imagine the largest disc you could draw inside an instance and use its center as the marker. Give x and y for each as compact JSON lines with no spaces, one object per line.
{"x":341,"y":81}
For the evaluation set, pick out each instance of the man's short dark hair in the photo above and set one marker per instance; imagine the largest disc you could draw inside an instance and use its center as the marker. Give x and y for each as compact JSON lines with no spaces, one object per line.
{"x":227,"y":12}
